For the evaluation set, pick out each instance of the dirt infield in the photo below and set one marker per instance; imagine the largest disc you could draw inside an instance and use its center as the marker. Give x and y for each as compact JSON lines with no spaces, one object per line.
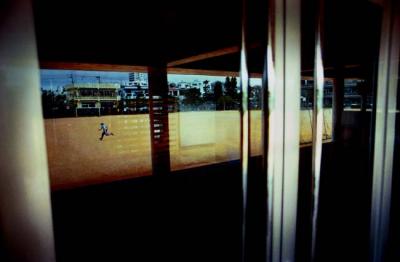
{"x":77,"y":156}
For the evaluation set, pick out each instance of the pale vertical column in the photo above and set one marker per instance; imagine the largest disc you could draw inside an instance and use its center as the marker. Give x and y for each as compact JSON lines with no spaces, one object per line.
{"x":283,"y":55}
{"x":245,"y":125}
{"x":385,"y":128}
{"x":291,"y":127}
{"x":25,"y":210}
{"x":269,"y":139}
{"x":318,"y":120}
{"x":278,"y":50}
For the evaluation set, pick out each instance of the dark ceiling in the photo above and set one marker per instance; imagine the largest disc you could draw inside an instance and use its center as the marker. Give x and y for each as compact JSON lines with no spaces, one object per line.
{"x":152,"y":32}
{"x":134,"y":32}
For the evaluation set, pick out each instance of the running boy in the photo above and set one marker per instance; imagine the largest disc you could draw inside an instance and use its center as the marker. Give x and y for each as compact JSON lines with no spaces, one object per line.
{"x":104,"y":129}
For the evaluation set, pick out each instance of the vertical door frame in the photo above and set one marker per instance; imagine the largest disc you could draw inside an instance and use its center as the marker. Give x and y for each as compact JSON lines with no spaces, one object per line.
{"x":385,"y":117}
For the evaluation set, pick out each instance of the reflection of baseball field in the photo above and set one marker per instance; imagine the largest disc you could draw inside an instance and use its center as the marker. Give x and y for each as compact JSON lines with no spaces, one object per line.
{"x":77,"y":156}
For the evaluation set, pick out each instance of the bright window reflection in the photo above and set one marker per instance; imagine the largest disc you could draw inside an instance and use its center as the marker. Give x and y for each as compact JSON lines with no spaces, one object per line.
{"x":80,"y":149}
{"x":204,"y":122}
{"x":206,"y":130}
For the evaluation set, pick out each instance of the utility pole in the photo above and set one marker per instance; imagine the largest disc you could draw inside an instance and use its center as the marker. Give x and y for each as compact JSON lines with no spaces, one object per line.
{"x":72,"y":78}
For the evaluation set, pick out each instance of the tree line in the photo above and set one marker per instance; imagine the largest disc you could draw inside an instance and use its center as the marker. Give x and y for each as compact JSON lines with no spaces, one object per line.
{"x":225,"y":96}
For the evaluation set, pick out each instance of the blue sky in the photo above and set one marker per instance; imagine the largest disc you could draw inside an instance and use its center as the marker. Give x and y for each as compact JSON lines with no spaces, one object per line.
{"x":56,"y":79}
{"x":53,"y":79}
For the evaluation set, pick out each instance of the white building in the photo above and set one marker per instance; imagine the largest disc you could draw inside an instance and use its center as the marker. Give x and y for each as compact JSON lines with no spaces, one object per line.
{"x":93,"y":98}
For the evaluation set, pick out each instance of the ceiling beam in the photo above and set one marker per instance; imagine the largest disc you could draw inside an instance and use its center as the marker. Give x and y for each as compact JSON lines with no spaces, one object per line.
{"x":186,"y":71}
{"x":211,"y":54}
{"x":91,"y":67}
{"x":143,"y":69}
{"x":134,"y":68}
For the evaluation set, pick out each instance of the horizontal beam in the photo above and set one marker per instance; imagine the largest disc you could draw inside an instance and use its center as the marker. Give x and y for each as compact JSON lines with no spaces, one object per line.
{"x":186,"y":71}
{"x":211,"y":54}
{"x":331,"y":68}
{"x":143,"y":69}
{"x":133,"y":68}
{"x":91,"y":67}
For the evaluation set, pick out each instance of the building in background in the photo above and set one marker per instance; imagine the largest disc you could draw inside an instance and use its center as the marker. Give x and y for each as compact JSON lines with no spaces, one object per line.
{"x":134,"y":97}
{"x":136,"y":78}
{"x":93,"y":98}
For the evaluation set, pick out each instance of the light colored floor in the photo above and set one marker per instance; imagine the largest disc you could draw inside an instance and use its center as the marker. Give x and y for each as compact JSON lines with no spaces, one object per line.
{"x":77,"y":156}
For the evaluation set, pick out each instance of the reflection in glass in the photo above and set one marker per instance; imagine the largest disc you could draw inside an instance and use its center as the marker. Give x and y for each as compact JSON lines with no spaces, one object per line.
{"x":75,"y":104}
{"x":206,"y":130}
